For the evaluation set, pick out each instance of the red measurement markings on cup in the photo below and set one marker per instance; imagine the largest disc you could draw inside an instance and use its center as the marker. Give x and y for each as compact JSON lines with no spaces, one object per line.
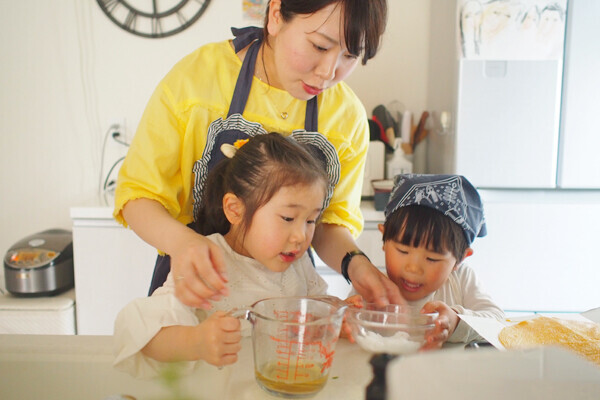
{"x":295,"y":354}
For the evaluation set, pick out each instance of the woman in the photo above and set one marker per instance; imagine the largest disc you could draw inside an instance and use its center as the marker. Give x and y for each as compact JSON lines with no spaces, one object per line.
{"x":290,"y":80}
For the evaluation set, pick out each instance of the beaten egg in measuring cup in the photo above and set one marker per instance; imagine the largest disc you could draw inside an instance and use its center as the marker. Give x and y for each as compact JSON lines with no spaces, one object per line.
{"x":294,"y":340}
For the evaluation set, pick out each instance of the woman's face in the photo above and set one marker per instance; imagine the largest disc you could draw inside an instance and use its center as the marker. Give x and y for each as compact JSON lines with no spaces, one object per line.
{"x":308,"y":53}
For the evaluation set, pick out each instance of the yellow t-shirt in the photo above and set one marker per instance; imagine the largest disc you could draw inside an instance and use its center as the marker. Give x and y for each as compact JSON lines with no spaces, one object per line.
{"x":172,"y":133}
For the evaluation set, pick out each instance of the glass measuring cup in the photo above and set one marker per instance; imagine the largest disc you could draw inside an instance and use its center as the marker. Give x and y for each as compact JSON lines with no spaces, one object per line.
{"x":293,"y":340}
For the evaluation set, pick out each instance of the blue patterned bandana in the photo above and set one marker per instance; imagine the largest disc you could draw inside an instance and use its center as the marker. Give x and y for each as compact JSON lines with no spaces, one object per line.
{"x":452,"y":195}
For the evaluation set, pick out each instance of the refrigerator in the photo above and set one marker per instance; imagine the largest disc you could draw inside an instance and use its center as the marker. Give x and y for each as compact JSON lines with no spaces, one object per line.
{"x":514,"y":89}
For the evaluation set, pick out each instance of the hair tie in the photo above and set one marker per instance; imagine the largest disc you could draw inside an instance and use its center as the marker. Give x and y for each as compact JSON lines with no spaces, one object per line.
{"x":229,"y":150}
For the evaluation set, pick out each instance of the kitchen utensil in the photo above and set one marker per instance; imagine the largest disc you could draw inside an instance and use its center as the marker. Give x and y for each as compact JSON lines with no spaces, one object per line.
{"x":40,"y":264}
{"x":293,"y":340}
{"x":396,"y":109}
{"x":420,"y":155}
{"x":389,"y":125}
{"x":393,"y":329}
{"x":407,"y":148}
{"x":406,"y":127}
{"x":420,"y":133}
{"x":377,"y":133}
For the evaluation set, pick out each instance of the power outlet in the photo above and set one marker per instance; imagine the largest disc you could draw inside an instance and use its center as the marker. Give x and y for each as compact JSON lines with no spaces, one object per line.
{"x":117,"y":129}
{"x":114,"y":150}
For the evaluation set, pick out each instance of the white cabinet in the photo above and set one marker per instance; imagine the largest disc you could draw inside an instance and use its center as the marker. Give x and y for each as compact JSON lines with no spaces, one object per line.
{"x":540,"y":253}
{"x":49,"y":315}
{"x":112,"y":267}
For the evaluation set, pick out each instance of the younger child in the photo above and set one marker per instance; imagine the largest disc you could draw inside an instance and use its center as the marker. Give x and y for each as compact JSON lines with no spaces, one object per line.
{"x":430,"y":223}
{"x":260,"y":207}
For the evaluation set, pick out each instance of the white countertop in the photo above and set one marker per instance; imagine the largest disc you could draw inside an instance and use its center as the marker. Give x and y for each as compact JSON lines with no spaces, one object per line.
{"x":93,"y":216}
{"x":80,"y":367}
{"x":91,"y":212}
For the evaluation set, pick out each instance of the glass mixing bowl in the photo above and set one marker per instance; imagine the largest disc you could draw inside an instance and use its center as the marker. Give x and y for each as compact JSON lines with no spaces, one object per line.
{"x":392,"y":329}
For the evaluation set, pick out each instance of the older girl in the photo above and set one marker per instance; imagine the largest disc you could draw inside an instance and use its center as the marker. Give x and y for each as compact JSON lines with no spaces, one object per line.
{"x":260,"y":210}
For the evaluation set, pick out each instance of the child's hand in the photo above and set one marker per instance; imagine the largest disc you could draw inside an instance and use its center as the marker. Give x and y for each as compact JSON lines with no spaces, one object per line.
{"x":217,"y":339}
{"x":356,"y":301}
{"x":346,"y":331}
{"x":445,"y":324}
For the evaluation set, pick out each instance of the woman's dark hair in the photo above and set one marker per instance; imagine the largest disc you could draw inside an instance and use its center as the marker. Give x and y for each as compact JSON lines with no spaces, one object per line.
{"x":261,"y":167}
{"x":421,"y":226}
{"x":364,"y":21}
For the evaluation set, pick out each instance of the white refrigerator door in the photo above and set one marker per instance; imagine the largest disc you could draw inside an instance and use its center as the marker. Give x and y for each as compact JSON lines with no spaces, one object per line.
{"x":580,"y":131}
{"x":507,"y":124}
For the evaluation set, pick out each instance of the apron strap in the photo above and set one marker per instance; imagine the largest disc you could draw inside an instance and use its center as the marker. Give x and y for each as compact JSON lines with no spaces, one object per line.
{"x":244,"y":37}
{"x":311,"y":119}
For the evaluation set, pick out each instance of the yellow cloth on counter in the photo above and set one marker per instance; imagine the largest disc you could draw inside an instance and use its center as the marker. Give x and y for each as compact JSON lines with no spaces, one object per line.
{"x":171,"y":135}
{"x":581,"y":337}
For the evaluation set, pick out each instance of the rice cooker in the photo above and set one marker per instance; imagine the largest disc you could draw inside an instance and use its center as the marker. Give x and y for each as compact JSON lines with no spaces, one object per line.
{"x":40,"y":264}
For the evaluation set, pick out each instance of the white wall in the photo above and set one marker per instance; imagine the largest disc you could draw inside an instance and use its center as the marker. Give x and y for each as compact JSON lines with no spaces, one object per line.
{"x":400,"y":70}
{"x":67,"y":72}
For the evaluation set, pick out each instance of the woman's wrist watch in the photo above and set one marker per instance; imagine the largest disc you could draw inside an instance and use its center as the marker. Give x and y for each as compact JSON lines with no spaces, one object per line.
{"x":346,"y":262}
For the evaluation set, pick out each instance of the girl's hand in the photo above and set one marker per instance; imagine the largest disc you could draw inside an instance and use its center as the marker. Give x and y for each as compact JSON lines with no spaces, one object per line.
{"x":346,"y":331}
{"x":445,"y":324}
{"x":198,"y":271}
{"x":355,"y":301}
{"x":217,"y":339}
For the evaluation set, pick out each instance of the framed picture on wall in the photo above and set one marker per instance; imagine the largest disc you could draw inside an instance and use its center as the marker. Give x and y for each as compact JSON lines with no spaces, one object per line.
{"x":511,"y":30}
{"x":253,"y":11}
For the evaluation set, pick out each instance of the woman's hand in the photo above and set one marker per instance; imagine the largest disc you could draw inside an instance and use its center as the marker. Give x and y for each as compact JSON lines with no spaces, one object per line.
{"x":332,"y":242}
{"x":217,"y":339}
{"x":196,"y":263}
{"x":372,"y":284}
{"x":198,"y":270}
{"x":445,"y":324}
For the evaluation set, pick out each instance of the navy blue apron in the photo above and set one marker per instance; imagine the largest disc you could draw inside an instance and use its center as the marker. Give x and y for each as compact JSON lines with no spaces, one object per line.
{"x":234,"y":127}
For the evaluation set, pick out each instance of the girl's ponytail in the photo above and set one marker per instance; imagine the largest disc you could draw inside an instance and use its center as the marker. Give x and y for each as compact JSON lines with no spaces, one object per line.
{"x":211,"y":218}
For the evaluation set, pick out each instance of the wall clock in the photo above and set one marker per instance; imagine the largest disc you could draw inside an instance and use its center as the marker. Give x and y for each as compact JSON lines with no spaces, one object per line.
{"x":153,"y":18}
